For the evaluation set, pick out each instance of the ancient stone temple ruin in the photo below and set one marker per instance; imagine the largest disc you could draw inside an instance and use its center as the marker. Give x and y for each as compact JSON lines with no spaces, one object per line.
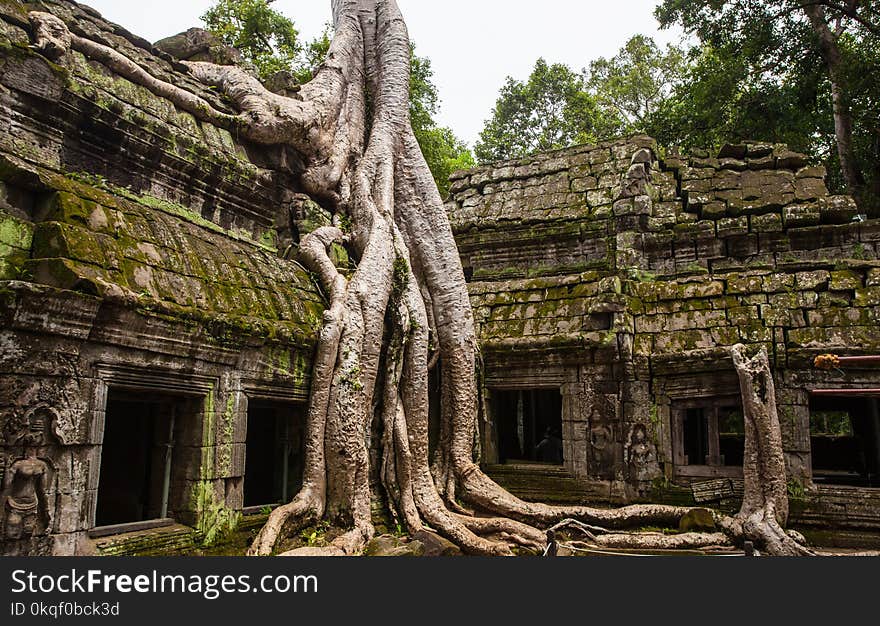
{"x":610,"y":281}
{"x":157,"y":331}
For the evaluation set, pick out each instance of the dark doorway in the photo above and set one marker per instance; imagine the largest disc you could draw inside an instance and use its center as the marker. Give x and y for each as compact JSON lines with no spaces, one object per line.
{"x":529,"y":425}
{"x":275,"y":453}
{"x":138,"y":456}
{"x":845,"y":440}
{"x":696,"y":437}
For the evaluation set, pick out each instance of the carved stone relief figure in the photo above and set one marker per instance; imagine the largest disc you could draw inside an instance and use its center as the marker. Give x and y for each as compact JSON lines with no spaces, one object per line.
{"x":26,"y":482}
{"x":601,"y":446}
{"x":640,"y":456}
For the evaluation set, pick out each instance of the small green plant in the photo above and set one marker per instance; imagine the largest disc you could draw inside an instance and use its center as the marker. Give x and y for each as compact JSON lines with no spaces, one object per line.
{"x":796,"y":490}
{"x":266,"y":510}
{"x":20,"y":273}
{"x":641,"y":276}
{"x":344,"y":223}
{"x":860,"y":252}
{"x":92,"y":180}
{"x":401,"y":275}
{"x":315,"y":535}
{"x":661,"y":483}
{"x":655,"y":415}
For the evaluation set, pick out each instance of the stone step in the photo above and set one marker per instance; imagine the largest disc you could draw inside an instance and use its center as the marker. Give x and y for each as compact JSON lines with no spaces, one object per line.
{"x":552,"y":484}
{"x":165,"y":541}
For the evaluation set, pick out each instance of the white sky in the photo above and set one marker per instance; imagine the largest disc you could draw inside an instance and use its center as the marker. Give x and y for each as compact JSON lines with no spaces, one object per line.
{"x":473,"y":44}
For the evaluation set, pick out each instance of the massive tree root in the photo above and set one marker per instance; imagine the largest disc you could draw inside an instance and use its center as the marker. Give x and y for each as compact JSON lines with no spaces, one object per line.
{"x":351,"y":127}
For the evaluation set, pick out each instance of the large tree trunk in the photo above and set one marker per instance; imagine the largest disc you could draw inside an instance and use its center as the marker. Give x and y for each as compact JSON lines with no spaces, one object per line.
{"x":843,"y":119}
{"x":764,"y":511}
{"x":351,"y":126}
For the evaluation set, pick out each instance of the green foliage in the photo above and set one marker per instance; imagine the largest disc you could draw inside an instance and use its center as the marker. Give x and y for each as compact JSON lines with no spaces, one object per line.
{"x":264,"y":36}
{"x":443,"y":151}
{"x":632,"y":85}
{"x":312,"y":56}
{"x":830,"y":424}
{"x":401,"y":275}
{"x":759,"y":73}
{"x":91,"y":180}
{"x":796,"y":490}
{"x":552,"y":109}
{"x":315,"y":536}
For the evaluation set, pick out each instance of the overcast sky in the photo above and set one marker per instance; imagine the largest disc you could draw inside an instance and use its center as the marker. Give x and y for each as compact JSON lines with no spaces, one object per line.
{"x":473,"y":44}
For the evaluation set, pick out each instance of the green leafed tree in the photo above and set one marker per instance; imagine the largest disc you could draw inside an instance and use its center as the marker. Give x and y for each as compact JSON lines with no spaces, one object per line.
{"x":800,"y":71}
{"x":631,"y":86}
{"x":265,"y":37}
{"x":551,"y":109}
{"x":444,"y":151}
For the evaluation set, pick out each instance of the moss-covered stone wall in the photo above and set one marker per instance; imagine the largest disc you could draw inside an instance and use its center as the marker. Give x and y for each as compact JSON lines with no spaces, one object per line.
{"x":621,"y":273}
{"x":139,"y":254}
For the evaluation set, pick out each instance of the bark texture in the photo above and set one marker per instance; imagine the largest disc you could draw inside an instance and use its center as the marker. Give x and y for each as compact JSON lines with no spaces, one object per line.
{"x":843,"y":119}
{"x":764,"y":511}
{"x":351,"y":127}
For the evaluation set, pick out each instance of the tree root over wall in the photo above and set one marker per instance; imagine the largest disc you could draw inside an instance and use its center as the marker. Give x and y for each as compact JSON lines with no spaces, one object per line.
{"x":351,"y":127}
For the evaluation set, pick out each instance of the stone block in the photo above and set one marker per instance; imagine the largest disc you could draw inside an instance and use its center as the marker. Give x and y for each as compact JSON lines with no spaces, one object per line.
{"x":683,"y":341}
{"x":737,"y":165}
{"x":761,"y":163}
{"x":769,"y":223}
{"x":841,"y":316}
{"x":701,"y":184}
{"x":794,"y":300}
{"x":786,"y":159}
{"x":797,"y":215}
{"x":745,"y":284}
{"x":729,"y":226}
{"x":710,"y":248}
{"x":813,"y":281}
{"x":779,"y":282}
{"x":742,"y":246}
{"x":599,"y":197}
{"x":71,"y":512}
{"x":845,"y":280}
{"x":869,"y":296}
{"x":837,"y":209}
{"x":713,"y":211}
{"x":234,"y":493}
{"x":580,"y":185}
{"x":809,"y":189}
{"x":758,"y":150}
{"x":812,"y":172}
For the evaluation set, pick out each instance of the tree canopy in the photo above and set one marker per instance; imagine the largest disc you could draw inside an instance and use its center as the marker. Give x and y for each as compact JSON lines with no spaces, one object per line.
{"x":784,"y":70}
{"x":631,"y":86}
{"x":557,"y":107}
{"x":265,"y":37}
{"x":551,"y":109}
